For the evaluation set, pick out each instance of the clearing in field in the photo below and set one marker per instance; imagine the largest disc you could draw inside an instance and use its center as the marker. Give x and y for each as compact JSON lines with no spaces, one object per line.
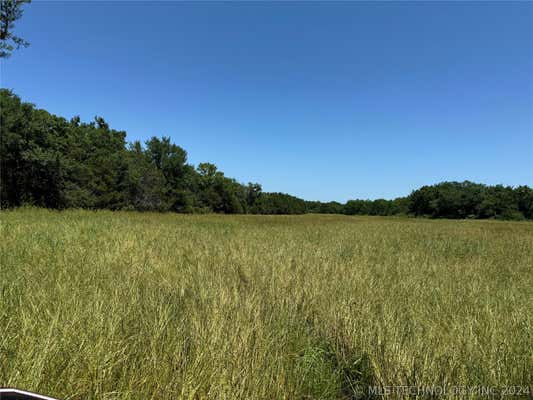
{"x":123,"y":305}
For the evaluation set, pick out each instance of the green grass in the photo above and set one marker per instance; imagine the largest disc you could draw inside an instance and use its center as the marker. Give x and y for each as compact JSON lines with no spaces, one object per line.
{"x":120,"y":305}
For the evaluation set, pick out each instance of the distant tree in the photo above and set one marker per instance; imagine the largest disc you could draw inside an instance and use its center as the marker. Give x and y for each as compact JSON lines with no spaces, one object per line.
{"x":470,"y":200}
{"x":524,"y":200}
{"x":253,"y":192}
{"x":171,"y":160}
{"x":100,"y":164}
{"x":499,"y":202}
{"x":400,"y":206}
{"x":30,"y":158}
{"x":219,"y":193}
{"x":208,"y":171}
{"x":279,"y":203}
{"x":317,"y":207}
{"x":10,"y":11}
{"x":233,"y":196}
{"x":48,"y":161}
{"x":145,"y":183}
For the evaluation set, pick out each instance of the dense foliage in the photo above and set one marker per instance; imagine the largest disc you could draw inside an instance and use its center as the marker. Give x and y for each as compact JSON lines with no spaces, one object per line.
{"x":48,"y":161}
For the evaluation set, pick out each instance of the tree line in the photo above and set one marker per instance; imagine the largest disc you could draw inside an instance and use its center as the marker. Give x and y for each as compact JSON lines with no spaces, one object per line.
{"x":48,"y":161}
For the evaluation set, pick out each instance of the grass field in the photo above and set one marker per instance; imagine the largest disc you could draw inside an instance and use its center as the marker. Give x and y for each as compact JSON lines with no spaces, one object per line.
{"x":123,"y":305}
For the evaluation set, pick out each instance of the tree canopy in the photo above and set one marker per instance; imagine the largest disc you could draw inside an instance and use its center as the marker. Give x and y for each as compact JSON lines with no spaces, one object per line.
{"x":48,"y":161}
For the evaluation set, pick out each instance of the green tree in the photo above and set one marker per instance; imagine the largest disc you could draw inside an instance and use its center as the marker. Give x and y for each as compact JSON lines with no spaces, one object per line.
{"x":30,"y":159}
{"x":145,"y":183}
{"x":524,"y":200}
{"x":10,"y":11}
{"x":253,"y":193}
{"x":171,"y":160}
{"x":48,"y":161}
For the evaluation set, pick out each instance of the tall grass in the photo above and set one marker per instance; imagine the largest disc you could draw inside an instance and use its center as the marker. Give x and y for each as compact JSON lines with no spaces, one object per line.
{"x":119,"y":305}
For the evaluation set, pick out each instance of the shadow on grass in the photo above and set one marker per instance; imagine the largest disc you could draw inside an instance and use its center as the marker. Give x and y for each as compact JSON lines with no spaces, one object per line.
{"x":333,"y":371}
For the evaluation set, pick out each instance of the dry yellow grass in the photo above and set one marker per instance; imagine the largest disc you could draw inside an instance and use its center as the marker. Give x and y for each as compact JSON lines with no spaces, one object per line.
{"x":119,"y":305}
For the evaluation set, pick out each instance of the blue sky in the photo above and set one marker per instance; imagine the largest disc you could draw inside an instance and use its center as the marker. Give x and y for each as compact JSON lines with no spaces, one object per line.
{"x":325,"y":101}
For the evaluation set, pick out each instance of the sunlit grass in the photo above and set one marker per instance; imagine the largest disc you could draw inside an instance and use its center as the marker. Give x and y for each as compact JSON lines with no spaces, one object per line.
{"x":117,"y":305}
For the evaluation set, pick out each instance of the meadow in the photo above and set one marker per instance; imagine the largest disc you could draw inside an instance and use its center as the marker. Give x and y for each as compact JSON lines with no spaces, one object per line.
{"x":127,"y":305}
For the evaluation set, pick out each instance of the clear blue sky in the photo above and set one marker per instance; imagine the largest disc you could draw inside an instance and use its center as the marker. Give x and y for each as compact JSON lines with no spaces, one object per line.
{"x":325,"y":101}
